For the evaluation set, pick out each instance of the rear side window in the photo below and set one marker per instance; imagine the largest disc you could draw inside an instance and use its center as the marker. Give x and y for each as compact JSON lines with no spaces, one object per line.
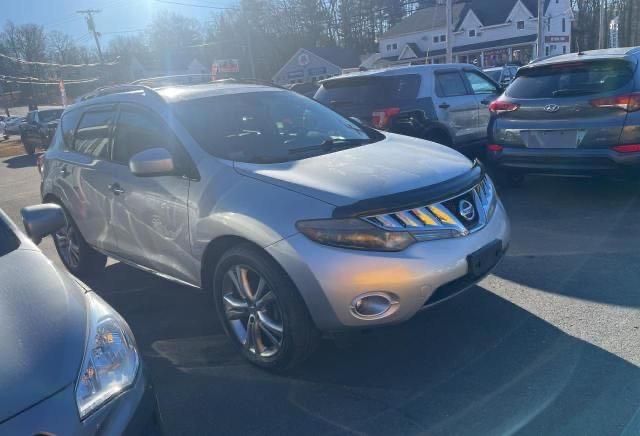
{"x":138,"y":130}
{"x":450,"y":84}
{"x":370,"y":90}
{"x":571,"y":79}
{"x":68,"y":124}
{"x":93,"y":134}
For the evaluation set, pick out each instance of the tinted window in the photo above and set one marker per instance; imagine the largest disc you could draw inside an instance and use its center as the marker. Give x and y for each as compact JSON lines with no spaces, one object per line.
{"x":268,"y":126}
{"x":567,"y":80}
{"x":138,"y":130}
{"x":68,"y":125}
{"x":450,"y":84}
{"x":49,"y":115}
{"x":92,"y":135}
{"x":374,"y":90}
{"x":494,"y":74}
{"x":8,"y":240}
{"x":479,"y":84}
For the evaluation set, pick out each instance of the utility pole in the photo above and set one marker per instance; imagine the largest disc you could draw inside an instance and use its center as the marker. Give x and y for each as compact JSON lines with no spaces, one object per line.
{"x":88,"y":16}
{"x":601,"y":27}
{"x":540,"y":28}
{"x":449,"y":19}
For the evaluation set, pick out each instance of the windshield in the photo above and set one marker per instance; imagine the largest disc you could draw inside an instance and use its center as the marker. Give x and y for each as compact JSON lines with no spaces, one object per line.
{"x":494,"y":74}
{"x":570,"y":79}
{"x":49,"y":115}
{"x":268,"y":126}
{"x":8,"y":240}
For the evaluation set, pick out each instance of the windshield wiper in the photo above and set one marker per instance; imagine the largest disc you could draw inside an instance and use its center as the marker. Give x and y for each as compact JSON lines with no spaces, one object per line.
{"x":331,"y":144}
{"x":573,"y":91}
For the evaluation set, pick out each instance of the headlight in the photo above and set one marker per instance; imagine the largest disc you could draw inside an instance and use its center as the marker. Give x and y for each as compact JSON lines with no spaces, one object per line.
{"x":110,"y":361}
{"x":354,"y":233}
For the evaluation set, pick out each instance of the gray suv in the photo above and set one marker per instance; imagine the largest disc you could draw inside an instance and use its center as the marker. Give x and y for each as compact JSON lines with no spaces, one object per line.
{"x":575,"y":113}
{"x":296,"y":219}
{"x":444,"y":103}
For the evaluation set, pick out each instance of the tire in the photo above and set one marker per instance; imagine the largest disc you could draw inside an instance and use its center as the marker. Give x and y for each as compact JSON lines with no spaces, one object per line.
{"x":284,"y":308}
{"x":76,"y":255}
{"x":28,"y":148}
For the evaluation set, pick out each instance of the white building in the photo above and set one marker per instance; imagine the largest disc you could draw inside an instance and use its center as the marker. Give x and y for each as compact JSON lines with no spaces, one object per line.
{"x":485,"y":32}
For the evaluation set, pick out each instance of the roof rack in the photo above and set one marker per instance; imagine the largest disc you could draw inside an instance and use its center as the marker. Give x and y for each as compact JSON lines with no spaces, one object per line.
{"x":115,"y":89}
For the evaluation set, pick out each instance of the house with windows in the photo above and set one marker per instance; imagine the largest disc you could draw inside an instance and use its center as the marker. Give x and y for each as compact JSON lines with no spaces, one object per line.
{"x":486,"y":33}
{"x":309,"y":65}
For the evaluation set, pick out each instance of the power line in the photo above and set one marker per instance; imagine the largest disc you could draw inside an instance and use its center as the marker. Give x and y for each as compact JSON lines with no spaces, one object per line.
{"x":51,"y":64}
{"x":91,"y":25}
{"x":222,"y":8}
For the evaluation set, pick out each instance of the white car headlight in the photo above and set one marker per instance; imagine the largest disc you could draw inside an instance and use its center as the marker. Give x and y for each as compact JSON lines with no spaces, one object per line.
{"x":110,"y":362}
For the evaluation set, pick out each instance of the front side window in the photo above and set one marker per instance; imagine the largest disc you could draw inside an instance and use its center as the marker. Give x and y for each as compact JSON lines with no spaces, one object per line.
{"x":450,"y":84}
{"x":93,"y":134}
{"x":68,"y":125}
{"x":479,"y":84}
{"x":138,"y":130}
{"x":268,"y":126}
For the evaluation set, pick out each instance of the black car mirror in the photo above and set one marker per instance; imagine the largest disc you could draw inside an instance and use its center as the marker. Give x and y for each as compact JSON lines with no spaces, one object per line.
{"x":152,"y":162}
{"x":42,"y":220}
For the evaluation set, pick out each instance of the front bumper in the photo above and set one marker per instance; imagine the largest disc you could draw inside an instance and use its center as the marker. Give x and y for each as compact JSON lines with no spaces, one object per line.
{"x":329,"y":278}
{"x":133,"y":412}
{"x":564,"y":161}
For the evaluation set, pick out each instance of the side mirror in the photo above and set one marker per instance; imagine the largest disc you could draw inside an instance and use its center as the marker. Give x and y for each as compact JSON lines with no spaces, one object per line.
{"x":42,"y":220}
{"x":152,"y":162}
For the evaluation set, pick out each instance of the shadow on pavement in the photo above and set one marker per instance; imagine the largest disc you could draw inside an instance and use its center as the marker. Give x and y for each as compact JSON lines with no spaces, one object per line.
{"x":475,"y":365}
{"x":21,"y":161}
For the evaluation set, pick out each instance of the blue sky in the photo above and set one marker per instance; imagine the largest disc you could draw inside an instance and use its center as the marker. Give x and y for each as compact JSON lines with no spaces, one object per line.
{"x":116,"y":16}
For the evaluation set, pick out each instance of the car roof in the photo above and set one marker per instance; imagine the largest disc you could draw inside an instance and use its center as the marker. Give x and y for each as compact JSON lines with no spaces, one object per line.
{"x":398,"y":70}
{"x":609,"y":53}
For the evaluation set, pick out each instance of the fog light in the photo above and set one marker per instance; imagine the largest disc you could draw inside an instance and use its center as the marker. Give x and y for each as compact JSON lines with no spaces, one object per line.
{"x":373,"y":305}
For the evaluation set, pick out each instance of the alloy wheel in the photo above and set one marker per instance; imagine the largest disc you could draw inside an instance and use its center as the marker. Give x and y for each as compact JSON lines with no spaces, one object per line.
{"x":252,"y":311}
{"x":68,"y":245}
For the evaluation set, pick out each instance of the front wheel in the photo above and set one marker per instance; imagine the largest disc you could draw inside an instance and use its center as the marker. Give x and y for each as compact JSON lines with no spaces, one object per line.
{"x":79,"y":258}
{"x":261,"y":310}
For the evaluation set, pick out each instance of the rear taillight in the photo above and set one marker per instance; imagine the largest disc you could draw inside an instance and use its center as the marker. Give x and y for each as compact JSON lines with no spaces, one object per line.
{"x":627,"y":148}
{"x":627,"y":102}
{"x":380,"y":118}
{"x":494,"y":148}
{"x":498,"y":107}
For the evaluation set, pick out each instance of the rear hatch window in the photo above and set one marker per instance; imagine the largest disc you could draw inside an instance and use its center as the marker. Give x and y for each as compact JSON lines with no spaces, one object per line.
{"x":571,"y":79}
{"x":360,"y":96}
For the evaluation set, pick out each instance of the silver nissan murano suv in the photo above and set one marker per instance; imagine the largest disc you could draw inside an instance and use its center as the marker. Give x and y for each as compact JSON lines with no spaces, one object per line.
{"x":297,"y":220}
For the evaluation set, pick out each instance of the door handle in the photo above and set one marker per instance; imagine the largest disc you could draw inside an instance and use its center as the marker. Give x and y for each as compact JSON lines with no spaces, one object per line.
{"x":64,"y":172}
{"x":485,"y":102}
{"x":116,"y":189}
{"x":444,"y":106}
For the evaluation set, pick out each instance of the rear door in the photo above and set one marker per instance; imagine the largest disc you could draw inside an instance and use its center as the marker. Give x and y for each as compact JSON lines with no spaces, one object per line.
{"x":150,"y":213}
{"x":567,"y":105}
{"x":361,"y":96}
{"x":455,"y":106}
{"x":84,"y":172}
{"x":484,"y":91}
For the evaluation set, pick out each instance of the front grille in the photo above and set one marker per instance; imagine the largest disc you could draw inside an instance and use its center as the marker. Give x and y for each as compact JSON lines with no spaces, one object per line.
{"x":456,"y":216}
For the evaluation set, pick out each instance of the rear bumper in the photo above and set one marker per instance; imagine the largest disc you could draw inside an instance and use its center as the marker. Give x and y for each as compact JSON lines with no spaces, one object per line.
{"x":519,"y":159}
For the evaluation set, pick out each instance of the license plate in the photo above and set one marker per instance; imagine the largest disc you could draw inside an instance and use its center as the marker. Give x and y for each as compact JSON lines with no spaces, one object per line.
{"x":480,"y":262}
{"x":550,"y":138}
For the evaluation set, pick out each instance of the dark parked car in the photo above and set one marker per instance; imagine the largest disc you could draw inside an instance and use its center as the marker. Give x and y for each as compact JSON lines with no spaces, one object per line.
{"x":69,"y":361}
{"x":503,"y":75}
{"x":444,"y":103}
{"x":574,"y":113}
{"x":38,"y":128}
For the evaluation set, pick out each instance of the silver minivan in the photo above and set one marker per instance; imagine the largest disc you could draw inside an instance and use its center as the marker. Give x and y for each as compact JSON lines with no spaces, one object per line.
{"x":296,"y":219}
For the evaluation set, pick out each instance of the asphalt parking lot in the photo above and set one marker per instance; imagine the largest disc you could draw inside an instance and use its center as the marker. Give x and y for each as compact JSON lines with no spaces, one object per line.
{"x":548,"y":344}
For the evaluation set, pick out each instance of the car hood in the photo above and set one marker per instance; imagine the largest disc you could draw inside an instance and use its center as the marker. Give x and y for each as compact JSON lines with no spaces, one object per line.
{"x":395,"y":164}
{"x":43,"y":325}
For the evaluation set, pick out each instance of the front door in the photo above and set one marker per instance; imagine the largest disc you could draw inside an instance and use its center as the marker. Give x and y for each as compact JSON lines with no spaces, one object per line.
{"x":484,"y":91}
{"x":455,"y":106}
{"x":150,"y":213}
